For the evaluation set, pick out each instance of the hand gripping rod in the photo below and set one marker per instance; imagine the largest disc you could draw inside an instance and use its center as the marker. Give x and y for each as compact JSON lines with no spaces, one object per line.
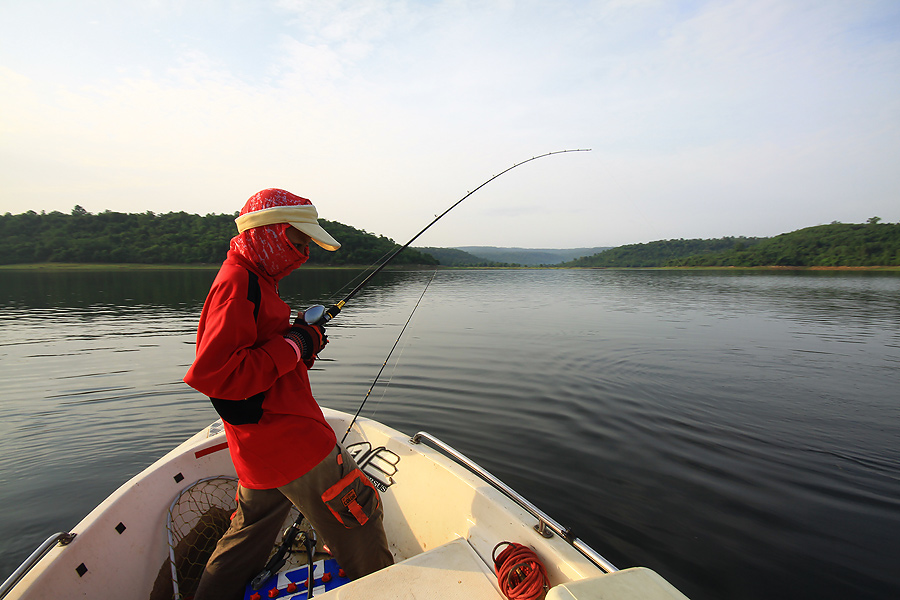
{"x":319,"y":315}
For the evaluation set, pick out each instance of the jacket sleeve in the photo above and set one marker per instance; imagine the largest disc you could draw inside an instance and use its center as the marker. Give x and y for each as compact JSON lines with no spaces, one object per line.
{"x":232,"y":363}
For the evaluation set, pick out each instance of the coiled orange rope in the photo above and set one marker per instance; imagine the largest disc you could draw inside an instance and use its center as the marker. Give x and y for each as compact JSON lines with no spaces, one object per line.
{"x":520,"y":573}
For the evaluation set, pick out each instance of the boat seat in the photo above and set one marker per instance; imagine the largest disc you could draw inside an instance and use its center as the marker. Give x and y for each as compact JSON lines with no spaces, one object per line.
{"x":451,"y":571}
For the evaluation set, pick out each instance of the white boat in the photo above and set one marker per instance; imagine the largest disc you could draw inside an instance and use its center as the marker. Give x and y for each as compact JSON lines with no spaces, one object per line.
{"x":444,"y":517}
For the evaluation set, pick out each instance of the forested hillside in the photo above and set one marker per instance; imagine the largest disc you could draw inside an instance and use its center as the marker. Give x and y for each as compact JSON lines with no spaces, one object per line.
{"x":182,"y":238}
{"x":835,"y":245}
{"x":657,"y":254}
{"x":170,"y":238}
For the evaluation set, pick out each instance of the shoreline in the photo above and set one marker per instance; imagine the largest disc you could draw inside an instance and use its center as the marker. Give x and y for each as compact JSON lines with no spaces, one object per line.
{"x":163,"y":267}
{"x":213,"y":267}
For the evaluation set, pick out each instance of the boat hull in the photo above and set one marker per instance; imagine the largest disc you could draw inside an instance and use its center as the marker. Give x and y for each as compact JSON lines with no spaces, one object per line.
{"x":430,"y":501}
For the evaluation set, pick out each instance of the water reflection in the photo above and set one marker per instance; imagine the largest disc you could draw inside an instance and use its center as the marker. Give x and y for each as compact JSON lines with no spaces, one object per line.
{"x":735,"y":431}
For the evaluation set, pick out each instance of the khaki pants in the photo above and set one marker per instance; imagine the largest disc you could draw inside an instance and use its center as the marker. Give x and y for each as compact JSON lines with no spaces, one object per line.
{"x":242,"y":552}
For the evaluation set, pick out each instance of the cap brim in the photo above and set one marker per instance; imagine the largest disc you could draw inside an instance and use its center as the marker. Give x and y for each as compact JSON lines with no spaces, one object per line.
{"x":318,"y":235}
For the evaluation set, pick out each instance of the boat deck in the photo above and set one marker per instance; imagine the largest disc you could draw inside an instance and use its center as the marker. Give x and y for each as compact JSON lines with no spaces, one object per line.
{"x":451,"y":571}
{"x":455,"y":571}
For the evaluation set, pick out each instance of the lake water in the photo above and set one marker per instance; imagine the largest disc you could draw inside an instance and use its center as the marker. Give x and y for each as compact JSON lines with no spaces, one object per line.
{"x":738,"y":432}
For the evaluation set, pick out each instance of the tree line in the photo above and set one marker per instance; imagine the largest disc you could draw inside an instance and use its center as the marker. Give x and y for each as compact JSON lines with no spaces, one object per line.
{"x":835,"y":245}
{"x":661,"y":253}
{"x":170,"y":238}
{"x":182,"y":238}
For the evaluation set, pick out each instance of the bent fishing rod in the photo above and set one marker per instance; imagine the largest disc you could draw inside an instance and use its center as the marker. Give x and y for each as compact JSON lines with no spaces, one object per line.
{"x":319,"y":315}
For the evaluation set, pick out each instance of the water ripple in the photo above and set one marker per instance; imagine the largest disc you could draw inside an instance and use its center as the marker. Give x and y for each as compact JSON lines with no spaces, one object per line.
{"x":735,"y":432}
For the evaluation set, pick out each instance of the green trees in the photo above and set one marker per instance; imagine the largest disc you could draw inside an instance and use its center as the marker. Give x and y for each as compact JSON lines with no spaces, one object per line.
{"x":182,"y":238}
{"x":170,"y":238}
{"x":836,"y":245}
{"x":662,"y":253}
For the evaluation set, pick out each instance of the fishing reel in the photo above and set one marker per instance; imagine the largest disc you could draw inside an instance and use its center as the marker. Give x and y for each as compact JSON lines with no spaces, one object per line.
{"x":319,"y":315}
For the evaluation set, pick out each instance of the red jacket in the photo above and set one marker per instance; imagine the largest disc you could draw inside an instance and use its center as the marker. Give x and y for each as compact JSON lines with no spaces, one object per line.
{"x":277,"y":431}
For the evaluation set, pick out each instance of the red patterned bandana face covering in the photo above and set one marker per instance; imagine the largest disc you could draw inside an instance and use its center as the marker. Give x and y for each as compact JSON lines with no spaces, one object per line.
{"x":267,"y":246}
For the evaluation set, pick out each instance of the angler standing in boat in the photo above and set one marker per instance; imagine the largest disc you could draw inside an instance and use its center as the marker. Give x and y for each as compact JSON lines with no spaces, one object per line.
{"x":252,"y":364}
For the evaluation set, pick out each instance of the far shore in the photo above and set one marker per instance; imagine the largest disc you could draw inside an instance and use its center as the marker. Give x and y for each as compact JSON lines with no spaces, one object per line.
{"x":175,"y":267}
{"x":783,"y":268}
{"x":160,"y":267}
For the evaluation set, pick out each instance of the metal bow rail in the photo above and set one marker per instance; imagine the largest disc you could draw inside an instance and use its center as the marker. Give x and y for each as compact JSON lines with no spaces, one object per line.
{"x":62,"y":538}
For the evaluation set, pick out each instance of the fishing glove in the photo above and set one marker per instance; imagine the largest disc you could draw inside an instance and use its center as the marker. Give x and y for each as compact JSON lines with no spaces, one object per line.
{"x":310,"y":339}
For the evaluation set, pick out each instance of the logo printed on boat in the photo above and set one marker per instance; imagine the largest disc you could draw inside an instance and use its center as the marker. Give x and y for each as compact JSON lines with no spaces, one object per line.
{"x":379,"y":464}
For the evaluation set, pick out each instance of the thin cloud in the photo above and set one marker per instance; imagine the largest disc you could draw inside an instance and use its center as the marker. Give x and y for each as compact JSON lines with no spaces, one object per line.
{"x":705,"y":119}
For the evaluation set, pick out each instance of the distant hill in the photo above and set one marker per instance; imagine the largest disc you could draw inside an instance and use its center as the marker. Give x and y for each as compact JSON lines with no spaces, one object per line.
{"x":835,"y":245}
{"x":451,"y":257}
{"x":658,"y":254}
{"x":529,"y":256}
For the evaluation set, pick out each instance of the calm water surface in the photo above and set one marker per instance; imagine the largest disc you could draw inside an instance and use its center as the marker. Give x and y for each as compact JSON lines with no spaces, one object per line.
{"x":735,"y":431}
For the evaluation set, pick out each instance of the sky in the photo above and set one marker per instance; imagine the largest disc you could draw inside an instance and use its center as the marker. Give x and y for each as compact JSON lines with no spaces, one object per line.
{"x":703,"y":119}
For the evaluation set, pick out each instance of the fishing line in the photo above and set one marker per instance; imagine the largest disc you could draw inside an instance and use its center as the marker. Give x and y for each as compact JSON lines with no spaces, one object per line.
{"x":384,"y":364}
{"x":319,"y":315}
{"x":390,"y":380}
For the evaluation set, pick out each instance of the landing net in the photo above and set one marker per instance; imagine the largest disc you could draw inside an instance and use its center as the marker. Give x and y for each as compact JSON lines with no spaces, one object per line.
{"x":198,"y":517}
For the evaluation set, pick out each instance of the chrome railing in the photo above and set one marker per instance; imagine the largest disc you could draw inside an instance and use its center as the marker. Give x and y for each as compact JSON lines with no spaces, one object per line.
{"x":62,"y":538}
{"x":544,"y":523}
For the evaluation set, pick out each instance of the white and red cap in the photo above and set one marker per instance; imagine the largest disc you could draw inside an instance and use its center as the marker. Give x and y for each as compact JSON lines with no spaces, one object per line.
{"x":273,"y":206}
{"x":262,"y":224}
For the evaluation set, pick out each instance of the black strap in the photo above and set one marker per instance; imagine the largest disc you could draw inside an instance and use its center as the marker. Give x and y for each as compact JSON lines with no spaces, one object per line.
{"x":254,"y":294}
{"x":244,"y":412}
